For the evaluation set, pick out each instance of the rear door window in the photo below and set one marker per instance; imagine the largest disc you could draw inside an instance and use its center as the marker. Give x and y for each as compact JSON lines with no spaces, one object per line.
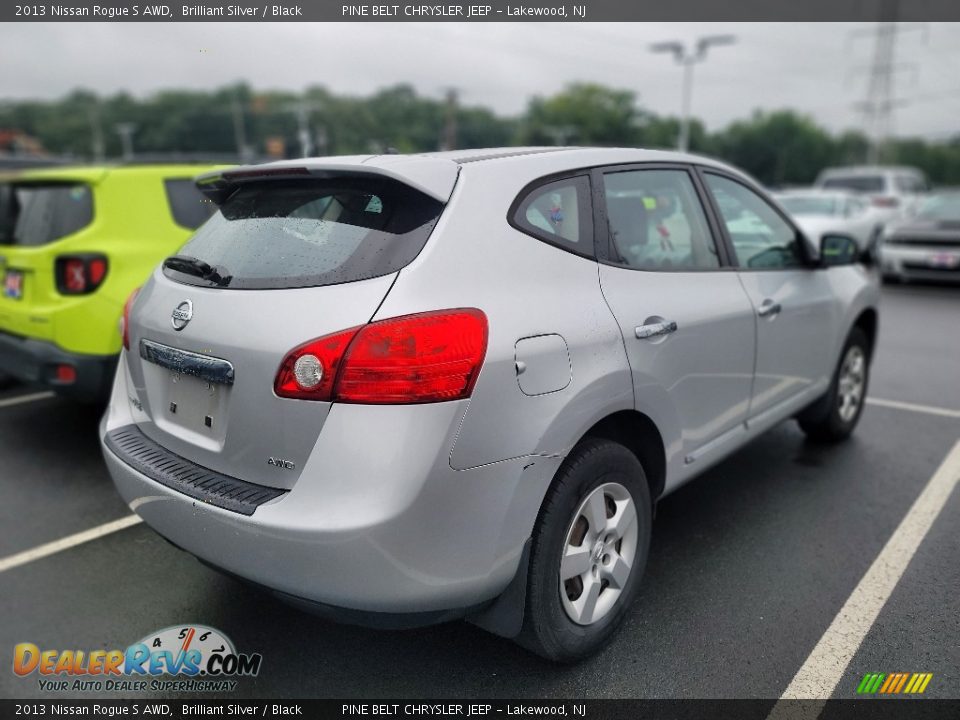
{"x":33,"y":214}
{"x":656,"y":221}
{"x":310,"y":233}
{"x":188,"y":206}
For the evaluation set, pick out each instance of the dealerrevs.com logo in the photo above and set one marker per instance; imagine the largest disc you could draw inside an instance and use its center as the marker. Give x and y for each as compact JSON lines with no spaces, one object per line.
{"x":191,"y":658}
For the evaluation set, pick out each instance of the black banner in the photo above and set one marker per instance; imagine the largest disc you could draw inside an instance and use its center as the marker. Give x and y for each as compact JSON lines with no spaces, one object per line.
{"x":476,"y":11}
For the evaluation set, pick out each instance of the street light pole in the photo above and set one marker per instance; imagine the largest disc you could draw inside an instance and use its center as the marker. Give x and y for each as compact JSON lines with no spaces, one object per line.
{"x":683,"y":142}
{"x":125,"y":130}
{"x":302,"y":109}
{"x":688,"y":58}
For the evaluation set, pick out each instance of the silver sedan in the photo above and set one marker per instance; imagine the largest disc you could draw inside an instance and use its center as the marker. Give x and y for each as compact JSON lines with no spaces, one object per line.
{"x":820,"y":212}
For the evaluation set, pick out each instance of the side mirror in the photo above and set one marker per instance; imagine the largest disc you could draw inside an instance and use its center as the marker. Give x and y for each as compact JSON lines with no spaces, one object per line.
{"x":838,"y":250}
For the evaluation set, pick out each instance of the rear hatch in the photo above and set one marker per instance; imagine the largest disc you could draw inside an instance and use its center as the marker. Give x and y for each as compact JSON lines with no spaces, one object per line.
{"x":286,"y":260}
{"x":876,"y":187}
{"x":35,"y":213}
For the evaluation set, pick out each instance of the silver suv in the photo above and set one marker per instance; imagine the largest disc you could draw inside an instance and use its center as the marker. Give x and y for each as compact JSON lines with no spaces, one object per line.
{"x":403,"y":389}
{"x":893,"y":191}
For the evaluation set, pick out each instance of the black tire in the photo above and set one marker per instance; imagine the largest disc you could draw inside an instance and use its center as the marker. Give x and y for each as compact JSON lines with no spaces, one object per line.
{"x":547,"y":629}
{"x":822,"y":421}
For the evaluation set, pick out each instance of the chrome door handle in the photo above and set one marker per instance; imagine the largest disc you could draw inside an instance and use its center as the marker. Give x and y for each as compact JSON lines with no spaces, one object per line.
{"x":655,"y":329}
{"x":768,"y":308}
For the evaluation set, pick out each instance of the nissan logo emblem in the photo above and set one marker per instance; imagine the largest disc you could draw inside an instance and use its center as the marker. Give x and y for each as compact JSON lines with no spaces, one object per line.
{"x":182,"y":314}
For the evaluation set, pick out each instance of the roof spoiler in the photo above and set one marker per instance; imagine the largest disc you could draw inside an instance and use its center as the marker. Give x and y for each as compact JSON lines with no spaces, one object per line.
{"x":432,"y":177}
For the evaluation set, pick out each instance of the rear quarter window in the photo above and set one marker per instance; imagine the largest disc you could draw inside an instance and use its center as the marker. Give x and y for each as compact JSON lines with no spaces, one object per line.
{"x":33,"y":214}
{"x":310,"y":233}
{"x":558,"y":213}
{"x":188,"y":206}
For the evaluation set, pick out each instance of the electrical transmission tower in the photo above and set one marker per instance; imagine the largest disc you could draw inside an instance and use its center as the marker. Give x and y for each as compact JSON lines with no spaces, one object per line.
{"x":877,"y":108}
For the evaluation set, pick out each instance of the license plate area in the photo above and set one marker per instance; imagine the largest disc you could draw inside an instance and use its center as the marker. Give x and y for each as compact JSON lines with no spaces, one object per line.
{"x":194,"y":404}
{"x":189,"y":392}
{"x":13,"y":284}
{"x":944,"y":260}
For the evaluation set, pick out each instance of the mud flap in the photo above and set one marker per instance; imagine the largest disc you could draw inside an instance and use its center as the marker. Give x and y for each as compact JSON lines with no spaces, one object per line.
{"x":504,"y":616}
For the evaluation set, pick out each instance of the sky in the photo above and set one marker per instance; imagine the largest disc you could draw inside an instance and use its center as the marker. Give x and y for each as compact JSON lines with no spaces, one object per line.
{"x":817,"y":68}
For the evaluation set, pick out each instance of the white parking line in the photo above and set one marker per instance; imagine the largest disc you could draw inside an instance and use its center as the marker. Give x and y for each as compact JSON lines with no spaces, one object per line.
{"x":20,"y":399}
{"x":66,"y":543}
{"x":913,"y":407}
{"x":826,"y":665}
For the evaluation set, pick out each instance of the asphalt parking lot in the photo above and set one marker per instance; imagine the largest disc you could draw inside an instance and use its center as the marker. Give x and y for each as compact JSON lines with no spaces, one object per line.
{"x":750,"y":564}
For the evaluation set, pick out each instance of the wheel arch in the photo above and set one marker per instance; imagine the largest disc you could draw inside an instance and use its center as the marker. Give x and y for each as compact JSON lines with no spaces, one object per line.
{"x":867,"y":321}
{"x":639,"y":434}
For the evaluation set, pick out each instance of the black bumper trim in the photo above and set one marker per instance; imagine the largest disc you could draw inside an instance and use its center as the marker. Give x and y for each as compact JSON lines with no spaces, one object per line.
{"x":145,"y":456}
{"x":34,"y":361}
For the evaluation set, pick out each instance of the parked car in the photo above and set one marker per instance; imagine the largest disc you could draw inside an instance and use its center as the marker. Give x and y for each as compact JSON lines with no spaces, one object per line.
{"x":925,"y":246}
{"x":74,"y":241}
{"x":829,"y":212}
{"x":892,"y":190}
{"x":404,"y":389}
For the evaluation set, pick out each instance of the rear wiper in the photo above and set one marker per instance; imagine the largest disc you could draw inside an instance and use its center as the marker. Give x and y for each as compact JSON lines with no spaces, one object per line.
{"x":188,"y":265}
{"x":198,"y":268}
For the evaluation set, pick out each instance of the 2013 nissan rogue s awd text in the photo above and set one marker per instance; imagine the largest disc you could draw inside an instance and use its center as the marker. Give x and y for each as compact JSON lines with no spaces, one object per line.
{"x":402,"y":389}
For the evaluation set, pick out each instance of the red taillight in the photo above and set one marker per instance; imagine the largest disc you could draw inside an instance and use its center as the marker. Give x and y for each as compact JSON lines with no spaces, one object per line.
{"x":125,"y":322}
{"x":79,"y":274}
{"x":428,"y":357}
{"x":884,"y":201}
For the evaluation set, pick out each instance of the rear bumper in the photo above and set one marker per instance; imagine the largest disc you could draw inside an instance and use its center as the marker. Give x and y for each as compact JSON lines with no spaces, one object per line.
{"x":36,"y":361}
{"x":378,"y":529}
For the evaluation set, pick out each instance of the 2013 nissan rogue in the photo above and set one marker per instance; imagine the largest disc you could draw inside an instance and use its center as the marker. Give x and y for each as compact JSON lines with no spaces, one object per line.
{"x":402,"y":389}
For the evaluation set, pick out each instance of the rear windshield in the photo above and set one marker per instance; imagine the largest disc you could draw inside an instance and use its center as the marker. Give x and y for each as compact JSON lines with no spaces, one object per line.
{"x":309,"y":233}
{"x":39,"y":214}
{"x":858,"y":183}
{"x":190,"y":209}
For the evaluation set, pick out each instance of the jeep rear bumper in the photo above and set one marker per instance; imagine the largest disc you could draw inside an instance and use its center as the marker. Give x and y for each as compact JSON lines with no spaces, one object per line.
{"x":42,"y":363}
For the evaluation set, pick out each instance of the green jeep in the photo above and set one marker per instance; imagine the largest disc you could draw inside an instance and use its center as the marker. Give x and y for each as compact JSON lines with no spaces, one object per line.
{"x":74,"y":243}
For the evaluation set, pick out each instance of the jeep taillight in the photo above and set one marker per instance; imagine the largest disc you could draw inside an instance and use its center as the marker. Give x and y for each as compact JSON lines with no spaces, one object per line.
{"x":79,"y":274}
{"x":125,"y":320}
{"x":423,"y":358}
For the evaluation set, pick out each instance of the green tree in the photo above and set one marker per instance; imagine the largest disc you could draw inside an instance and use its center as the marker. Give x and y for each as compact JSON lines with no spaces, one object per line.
{"x":777,"y":148}
{"x":582,"y":114}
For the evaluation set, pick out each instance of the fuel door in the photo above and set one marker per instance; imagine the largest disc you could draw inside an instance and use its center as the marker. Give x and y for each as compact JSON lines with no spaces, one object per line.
{"x":543,"y":364}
